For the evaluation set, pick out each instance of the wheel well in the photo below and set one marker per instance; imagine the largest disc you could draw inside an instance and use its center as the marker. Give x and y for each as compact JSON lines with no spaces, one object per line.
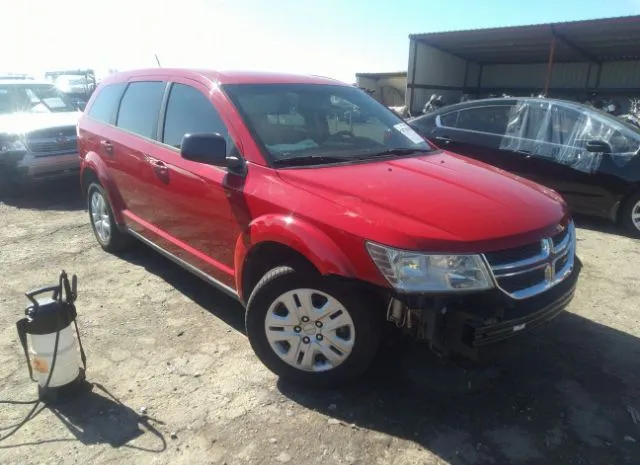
{"x":88,"y":177}
{"x":265,"y":256}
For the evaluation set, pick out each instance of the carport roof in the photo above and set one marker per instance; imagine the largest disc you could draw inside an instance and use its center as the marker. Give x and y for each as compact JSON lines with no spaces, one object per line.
{"x":595,"y":40}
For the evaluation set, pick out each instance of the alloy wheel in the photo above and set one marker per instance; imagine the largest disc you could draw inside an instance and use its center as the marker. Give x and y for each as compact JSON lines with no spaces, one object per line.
{"x":100,"y":217}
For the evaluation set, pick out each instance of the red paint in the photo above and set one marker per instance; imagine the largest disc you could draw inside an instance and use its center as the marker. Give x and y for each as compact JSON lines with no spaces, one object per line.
{"x":212,"y":219}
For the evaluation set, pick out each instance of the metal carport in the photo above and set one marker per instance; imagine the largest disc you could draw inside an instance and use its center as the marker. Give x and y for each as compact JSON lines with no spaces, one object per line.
{"x":566,"y":60}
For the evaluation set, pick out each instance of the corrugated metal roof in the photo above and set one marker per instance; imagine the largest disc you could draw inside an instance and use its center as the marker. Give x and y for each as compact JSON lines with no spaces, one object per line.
{"x":388,"y":74}
{"x":587,"y":40}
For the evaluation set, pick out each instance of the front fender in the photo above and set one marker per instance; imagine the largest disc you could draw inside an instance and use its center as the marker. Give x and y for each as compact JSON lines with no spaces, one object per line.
{"x":93,"y":163}
{"x":300,"y":236}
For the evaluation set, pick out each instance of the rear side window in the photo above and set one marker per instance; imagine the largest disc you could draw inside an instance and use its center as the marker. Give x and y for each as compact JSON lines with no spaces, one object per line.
{"x":450,"y":120}
{"x":189,"y":111}
{"x":489,"y":119}
{"x":106,"y":103}
{"x":140,"y":108}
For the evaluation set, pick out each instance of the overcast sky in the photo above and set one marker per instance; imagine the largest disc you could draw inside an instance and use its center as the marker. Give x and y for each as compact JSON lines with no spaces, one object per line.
{"x":332,"y":38}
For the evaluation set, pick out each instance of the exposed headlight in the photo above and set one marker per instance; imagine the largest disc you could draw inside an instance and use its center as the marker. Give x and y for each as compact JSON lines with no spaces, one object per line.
{"x":12,"y":145}
{"x":416,"y":272}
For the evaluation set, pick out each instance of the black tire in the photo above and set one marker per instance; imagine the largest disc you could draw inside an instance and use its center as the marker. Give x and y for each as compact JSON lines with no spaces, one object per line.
{"x":8,"y":186}
{"x":117,"y":240}
{"x":630,"y":207}
{"x":366,"y":322}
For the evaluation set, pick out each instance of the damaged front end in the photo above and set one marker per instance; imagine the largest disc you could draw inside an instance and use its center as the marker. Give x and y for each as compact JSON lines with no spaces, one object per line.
{"x":534,"y":284}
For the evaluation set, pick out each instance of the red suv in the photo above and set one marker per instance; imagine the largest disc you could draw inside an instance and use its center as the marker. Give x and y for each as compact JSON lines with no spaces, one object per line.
{"x":325,"y":214}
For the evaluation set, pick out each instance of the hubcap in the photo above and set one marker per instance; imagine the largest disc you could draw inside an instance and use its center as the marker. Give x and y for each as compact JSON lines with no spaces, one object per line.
{"x":310,"y":330}
{"x":100,"y":217}
{"x":635,"y":215}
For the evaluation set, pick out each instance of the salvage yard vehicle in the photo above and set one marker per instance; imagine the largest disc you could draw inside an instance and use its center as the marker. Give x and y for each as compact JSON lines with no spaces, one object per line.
{"x":590,"y":157}
{"x":37,"y":134}
{"x":325,"y":230}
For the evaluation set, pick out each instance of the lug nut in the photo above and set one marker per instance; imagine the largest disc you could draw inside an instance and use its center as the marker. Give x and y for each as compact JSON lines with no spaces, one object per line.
{"x":306,"y":340}
{"x":297,"y":329}
{"x":319,"y":324}
{"x":305,"y":319}
{"x":319,"y":337}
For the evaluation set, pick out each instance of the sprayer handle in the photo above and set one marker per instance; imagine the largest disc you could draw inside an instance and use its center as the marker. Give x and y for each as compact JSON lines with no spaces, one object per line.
{"x":41,"y":290}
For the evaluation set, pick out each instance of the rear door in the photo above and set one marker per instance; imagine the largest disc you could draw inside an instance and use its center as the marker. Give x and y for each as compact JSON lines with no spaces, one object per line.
{"x":192,"y":201}
{"x":127,"y":149}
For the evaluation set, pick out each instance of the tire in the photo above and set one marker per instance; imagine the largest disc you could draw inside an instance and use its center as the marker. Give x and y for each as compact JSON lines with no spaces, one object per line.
{"x":99,"y":207}
{"x":357,"y":345}
{"x":8,"y":187}
{"x":630,"y":215}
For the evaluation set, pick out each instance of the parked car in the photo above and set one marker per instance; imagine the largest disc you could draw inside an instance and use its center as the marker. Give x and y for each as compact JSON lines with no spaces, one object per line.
{"x":322,"y":229}
{"x":590,"y":157}
{"x":37,"y":134}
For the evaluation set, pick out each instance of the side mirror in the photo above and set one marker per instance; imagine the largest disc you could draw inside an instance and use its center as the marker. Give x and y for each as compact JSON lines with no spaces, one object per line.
{"x":598,"y":146}
{"x":207,"y":148}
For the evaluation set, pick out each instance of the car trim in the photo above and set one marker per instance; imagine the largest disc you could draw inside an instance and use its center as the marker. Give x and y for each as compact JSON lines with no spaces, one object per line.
{"x":184,"y":246}
{"x":187,"y":266}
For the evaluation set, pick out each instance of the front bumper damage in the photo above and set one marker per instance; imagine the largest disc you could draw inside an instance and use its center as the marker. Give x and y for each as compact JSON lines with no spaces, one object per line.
{"x":465,"y":325}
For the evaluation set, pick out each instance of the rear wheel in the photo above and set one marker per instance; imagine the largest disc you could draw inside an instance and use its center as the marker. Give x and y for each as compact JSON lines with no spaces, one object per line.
{"x":630,"y":214}
{"x":103,"y":224}
{"x":307,"y":329}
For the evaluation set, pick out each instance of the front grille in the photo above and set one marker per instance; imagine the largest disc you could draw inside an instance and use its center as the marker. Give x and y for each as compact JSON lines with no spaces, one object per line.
{"x":52,"y":141}
{"x":523,"y":272}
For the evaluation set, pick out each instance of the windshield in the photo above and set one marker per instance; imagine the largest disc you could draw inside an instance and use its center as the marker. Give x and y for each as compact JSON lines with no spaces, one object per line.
{"x":33,"y":98}
{"x":323,"y":122}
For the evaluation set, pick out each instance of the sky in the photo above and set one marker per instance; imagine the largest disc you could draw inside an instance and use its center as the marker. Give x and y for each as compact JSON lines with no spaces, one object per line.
{"x":330,"y":37}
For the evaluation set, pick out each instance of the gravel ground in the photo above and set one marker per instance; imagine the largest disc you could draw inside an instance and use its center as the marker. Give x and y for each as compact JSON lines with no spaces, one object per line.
{"x":175,"y":380}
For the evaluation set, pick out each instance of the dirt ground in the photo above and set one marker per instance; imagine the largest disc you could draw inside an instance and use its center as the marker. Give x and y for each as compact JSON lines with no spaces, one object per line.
{"x":160,"y":341}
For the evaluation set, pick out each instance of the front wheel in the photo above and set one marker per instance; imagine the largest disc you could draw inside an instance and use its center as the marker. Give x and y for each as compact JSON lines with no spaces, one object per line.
{"x":308,"y":330}
{"x":631,"y":215}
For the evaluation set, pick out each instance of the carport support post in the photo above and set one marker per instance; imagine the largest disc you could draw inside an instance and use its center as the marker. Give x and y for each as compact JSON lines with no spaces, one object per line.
{"x":547,"y":80}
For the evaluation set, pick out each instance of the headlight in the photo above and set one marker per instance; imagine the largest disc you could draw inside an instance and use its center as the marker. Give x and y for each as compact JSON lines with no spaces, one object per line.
{"x":12,"y":145}
{"x":415,"y":272}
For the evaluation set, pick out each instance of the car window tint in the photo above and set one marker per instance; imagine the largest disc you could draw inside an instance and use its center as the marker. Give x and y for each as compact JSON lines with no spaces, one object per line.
{"x":189,"y":111}
{"x":140,"y":108}
{"x":490,"y":119}
{"x":450,"y":120}
{"x":106,"y":102}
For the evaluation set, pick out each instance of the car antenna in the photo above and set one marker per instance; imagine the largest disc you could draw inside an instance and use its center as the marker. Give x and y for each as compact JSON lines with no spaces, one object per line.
{"x":157,"y":60}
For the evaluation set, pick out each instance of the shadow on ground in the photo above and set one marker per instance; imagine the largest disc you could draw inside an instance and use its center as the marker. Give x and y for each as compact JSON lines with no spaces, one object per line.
{"x":202,"y":293}
{"x":561,"y":395}
{"x":59,"y":195}
{"x":97,"y":417}
{"x":600,"y":225}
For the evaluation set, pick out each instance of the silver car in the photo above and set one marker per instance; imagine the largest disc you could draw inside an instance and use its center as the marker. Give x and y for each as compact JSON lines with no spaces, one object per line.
{"x":37,"y":134}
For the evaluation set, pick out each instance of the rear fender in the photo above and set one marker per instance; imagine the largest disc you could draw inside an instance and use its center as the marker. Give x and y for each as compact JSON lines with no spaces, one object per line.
{"x":93,"y":163}
{"x":299,"y":235}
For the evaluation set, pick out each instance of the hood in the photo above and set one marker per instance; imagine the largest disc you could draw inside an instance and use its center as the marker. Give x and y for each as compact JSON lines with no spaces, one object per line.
{"x":437,"y":201}
{"x":21,"y":123}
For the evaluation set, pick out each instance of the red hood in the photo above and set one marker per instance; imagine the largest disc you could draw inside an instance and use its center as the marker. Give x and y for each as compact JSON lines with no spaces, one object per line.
{"x":435,"y":201}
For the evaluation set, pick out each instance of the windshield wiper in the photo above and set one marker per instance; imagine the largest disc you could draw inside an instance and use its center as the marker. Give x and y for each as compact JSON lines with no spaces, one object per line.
{"x":396,"y":152}
{"x":308,"y":160}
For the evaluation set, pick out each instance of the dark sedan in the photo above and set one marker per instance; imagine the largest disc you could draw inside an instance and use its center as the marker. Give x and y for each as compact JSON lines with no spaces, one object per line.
{"x":591,"y":158}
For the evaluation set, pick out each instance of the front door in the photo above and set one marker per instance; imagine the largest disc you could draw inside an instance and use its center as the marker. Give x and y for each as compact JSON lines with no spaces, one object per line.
{"x":556,"y":139}
{"x":479,"y":132}
{"x":192,"y":206}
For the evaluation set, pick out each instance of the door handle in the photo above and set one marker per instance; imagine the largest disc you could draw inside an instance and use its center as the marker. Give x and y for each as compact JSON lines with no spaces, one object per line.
{"x":107,"y":146}
{"x":444,"y":139}
{"x":160,"y":168}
